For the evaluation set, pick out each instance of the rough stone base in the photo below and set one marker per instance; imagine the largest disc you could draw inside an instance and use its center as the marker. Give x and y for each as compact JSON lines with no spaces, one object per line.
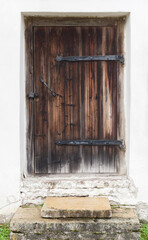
{"x":119,"y":189}
{"x":28,"y":225}
{"x":142,"y":212}
{"x":76,"y":236}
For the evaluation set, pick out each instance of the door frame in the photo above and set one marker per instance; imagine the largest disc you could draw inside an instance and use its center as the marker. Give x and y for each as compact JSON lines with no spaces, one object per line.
{"x":30,"y":23}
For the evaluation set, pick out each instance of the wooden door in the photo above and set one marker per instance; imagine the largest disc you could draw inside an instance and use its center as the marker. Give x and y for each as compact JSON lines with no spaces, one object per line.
{"x":86,"y":104}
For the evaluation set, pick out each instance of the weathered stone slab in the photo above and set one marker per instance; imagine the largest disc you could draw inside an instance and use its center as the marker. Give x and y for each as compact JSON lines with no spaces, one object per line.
{"x":77,"y":236}
{"x":76,"y":207}
{"x":27,"y":224}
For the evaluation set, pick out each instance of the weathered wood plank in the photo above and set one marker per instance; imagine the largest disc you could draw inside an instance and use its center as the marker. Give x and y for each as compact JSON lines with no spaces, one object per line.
{"x":54,"y":103}
{"x":40,"y":105}
{"x":63,"y":111}
{"x":121,"y":163}
{"x":29,"y":88}
{"x":76,"y":21}
{"x":109,"y":107}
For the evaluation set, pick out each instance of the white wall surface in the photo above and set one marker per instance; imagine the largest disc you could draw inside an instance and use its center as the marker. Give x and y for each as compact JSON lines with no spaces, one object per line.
{"x":12,"y":107}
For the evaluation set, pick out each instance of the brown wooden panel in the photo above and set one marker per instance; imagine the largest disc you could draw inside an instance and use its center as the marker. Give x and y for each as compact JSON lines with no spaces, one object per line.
{"x":61,"y":114}
{"x":87,"y":108}
{"x":40,"y":105}
{"x":109,"y":114}
{"x":29,"y":103}
{"x":100,"y":95}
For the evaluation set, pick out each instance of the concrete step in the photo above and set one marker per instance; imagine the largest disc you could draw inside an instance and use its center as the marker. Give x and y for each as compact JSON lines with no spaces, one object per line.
{"x":76,"y":207}
{"x":27,"y":224}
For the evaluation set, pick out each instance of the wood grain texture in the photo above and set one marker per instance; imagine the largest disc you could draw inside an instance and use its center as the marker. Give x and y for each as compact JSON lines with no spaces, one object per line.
{"x":29,"y":103}
{"x":76,"y":21}
{"x":87,"y":108}
{"x":41,"y":104}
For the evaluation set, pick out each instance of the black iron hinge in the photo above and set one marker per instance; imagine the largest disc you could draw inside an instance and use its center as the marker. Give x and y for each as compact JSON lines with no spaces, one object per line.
{"x":90,"y":142}
{"x":119,"y":58}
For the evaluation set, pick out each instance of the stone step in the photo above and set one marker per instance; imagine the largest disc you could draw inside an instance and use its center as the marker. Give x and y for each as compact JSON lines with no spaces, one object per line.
{"x":27,"y":224}
{"x":76,"y":207}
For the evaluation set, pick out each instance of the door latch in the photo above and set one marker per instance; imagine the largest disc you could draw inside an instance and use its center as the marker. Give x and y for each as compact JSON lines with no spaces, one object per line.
{"x":33,"y":95}
{"x":54,"y":94}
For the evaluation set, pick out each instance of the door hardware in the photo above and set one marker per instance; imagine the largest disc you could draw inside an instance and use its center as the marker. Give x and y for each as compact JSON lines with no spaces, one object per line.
{"x":91,"y":142}
{"x":33,"y":95}
{"x":54,"y":94}
{"x":91,"y":58}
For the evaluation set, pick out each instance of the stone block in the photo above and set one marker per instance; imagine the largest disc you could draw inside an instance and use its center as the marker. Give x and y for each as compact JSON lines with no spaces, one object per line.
{"x":76,"y":207}
{"x":27,"y":224}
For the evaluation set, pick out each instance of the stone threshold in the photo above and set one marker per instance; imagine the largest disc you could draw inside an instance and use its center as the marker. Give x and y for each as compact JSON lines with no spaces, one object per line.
{"x":27,"y":224}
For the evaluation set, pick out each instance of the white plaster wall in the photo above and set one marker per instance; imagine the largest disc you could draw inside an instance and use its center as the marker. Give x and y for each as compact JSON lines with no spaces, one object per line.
{"x":12,"y":105}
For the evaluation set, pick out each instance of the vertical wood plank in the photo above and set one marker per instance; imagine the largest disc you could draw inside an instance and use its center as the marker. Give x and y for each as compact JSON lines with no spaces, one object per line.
{"x":100,"y":51}
{"x":75,"y":110}
{"x":55,"y":113}
{"x":120,"y":155}
{"x":109,"y":99}
{"x":94,"y":101}
{"x":85,"y":77}
{"x":29,"y":88}
{"x":64,"y":111}
{"x":40,"y":105}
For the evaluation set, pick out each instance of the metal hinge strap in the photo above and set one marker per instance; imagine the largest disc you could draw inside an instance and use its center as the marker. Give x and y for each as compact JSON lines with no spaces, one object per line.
{"x":91,"y":58}
{"x":119,"y":143}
